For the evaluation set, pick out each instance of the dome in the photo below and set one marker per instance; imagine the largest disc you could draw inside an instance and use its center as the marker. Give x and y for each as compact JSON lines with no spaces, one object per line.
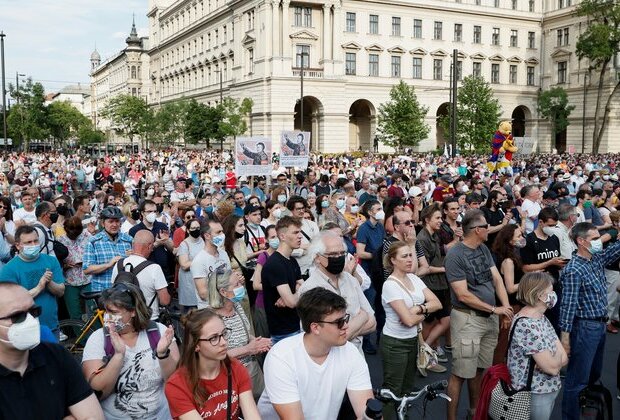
{"x":95,"y":55}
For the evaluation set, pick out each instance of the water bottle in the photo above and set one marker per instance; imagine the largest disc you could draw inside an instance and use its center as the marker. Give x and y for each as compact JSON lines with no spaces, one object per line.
{"x":373,"y":410}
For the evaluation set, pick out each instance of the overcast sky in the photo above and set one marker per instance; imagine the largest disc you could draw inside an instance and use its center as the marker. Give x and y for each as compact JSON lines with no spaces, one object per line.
{"x":51,"y":40}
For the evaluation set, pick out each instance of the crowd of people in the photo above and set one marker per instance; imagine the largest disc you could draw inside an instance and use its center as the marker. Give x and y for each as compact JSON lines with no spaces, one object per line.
{"x":287,"y":281}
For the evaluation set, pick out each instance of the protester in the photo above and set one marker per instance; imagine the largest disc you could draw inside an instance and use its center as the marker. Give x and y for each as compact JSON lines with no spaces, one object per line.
{"x":186,"y":252}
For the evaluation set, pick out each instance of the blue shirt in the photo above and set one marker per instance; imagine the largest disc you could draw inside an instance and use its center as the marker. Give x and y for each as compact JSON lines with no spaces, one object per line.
{"x":584,"y":287}
{"x":372,"y":237}
{"x":100,"y":249}
{"x":28,"y":274}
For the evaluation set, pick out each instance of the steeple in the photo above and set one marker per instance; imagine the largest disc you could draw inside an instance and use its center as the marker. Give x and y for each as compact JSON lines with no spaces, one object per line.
{"x":95,"y":59}
{"x":133,"y":38}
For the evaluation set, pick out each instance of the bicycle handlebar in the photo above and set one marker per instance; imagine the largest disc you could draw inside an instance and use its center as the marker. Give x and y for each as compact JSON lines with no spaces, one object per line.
{"x":438,"y":386}
{"x":387,"y":395}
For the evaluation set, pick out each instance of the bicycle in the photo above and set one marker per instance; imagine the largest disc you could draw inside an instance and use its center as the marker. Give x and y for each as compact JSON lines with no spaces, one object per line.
{"x":78,"y":331}
{"x":429,"y":392}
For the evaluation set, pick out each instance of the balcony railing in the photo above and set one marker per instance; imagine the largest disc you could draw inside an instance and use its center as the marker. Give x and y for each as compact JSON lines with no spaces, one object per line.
{"x":309,"y":72}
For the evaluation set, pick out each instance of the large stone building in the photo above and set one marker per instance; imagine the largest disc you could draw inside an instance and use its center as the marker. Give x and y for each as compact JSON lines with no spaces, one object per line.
{"x":353,"y":52}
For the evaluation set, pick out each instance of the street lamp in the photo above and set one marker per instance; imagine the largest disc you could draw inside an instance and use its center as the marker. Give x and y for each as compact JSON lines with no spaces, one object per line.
{"x":583,"y":114}
{"x":301,"y":56}
{"x":2,"y":35}
{"x":17,"y":76}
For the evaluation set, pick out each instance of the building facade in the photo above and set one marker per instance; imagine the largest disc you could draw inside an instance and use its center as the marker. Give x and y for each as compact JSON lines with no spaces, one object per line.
{"x":76,"y":95}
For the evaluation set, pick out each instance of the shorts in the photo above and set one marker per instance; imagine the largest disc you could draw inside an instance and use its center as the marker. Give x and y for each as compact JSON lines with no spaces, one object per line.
{"x":446,"y":305}
{"x":473,"y":342}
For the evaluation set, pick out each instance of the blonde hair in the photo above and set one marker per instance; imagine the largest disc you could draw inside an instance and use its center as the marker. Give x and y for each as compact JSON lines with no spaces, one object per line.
{"x":532,"y":285}
{"x":126,"y":209}
{"x":391,"y":253}
{"x":216,"y":282}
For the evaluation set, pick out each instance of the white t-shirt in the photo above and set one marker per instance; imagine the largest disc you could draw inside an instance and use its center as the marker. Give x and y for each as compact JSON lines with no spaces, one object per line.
{"x":205,"y":263}
{"x":311,"y":229}
{"x":27,"y":216}
{"x":532,"y":209}
{"x":392,"y":291}
{"x":151,"y":280}
{"x":139,"y":390}
{"x":291,"y":375}
{"x":176,"y":196}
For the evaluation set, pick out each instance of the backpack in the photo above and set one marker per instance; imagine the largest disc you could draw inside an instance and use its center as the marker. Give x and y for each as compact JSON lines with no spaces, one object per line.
{"x":152,"y":332}
{"x":60,"y":251}
{"x":130,"y":276}
{"x":595,"y":403}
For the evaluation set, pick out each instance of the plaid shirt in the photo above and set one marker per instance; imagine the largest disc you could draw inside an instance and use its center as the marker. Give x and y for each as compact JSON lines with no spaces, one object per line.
{"x":584,"y":287}
{"x":100,"y":249}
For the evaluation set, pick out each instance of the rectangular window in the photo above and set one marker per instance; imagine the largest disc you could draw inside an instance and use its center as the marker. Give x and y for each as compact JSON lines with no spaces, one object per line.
{"x":562,"y":70}
{"x":565,"y":36}
{"x":395,"y":26}
{"x":437,"y":69}
{"x":495,"y":37}
{"x":350,"y":22}
{"x":297,"y":16}
{"x":437,"y":30}
{"x":478,"y":2}
{"x":496,"y":3}
{"x":350,"y":61}
{"x":531,"y":39}
{"x":512,"y":76}
{"x":531,"y":5}
{"x":514,"y":37}
{"x":530,"y":75}
{"x":477,"y":69}
{"x":307,"y":17}
{"x":458,"y":32}
{"x":459,"y":70}
{"x":373,"y":64}
{"x":560,"y":36}
{"x":514,"y":4}
{"x":395,"y":66}
{"x":417,"y":68}
{"x":477,"y":34}
{"x":302,"y":56}
{"x":225,"y":33}
{"x":494,"y":73}
{"x":251,"y":60}
{"x":417,"y":28}
{"x":373,"y":26}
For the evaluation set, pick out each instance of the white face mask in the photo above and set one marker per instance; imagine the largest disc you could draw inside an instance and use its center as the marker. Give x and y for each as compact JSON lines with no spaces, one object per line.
{"x":150,"y":192}
{"x":26,"y":335}
{"x":151,"y":217}
{"x":380,"y":215}
{"x":116,"y":320}
{"x":277,"y":213}
{"x":549,"y":231}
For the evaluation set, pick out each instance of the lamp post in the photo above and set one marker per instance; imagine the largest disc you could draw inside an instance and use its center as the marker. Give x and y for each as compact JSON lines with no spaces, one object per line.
{"x":583,"y":114}
{"x":301,"y":56}
{"x":454,"y":92}
{"x":2,"y":35}
{"x":17,"y":76}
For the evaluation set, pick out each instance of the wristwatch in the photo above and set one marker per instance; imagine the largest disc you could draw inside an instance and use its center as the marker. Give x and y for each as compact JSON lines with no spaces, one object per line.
{"x":165,"y":356}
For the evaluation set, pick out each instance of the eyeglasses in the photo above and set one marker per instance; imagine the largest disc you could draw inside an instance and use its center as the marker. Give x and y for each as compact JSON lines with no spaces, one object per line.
{"x":406,"y":223}
{"x":340,"y":322}
{"x":19,"y":317}
{"x":215,"y":340}
{"x":299,"y":208}
{"x":2,"y":206}
{"x":481,"y":226}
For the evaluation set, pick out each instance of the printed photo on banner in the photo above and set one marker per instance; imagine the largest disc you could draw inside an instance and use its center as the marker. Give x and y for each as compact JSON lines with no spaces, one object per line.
{"x":294,"y":148}
{"x":253,"y":156}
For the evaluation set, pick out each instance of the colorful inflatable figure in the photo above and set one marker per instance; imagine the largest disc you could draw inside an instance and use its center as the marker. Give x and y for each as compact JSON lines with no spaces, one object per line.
{"x":502,"y":149}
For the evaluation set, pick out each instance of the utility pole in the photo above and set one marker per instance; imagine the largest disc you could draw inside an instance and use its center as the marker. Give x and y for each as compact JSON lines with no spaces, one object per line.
{"x":17,"y":76}
{"x":2,"y":35}
{"x":583,"y":114}
{"x":455,"y":77}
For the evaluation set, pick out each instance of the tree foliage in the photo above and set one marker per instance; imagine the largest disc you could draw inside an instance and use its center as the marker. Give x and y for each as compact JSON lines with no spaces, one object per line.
{"x":86,"y":135}
{"x":553,"y":105}
{"x":600,"y":43}
{"x":171,"y":120}
{"x":65,"y":121}
{"x":477,"y":115}
{"x":28,"y":120}
{"x":401,"y":119}
{"x":130,"y":115}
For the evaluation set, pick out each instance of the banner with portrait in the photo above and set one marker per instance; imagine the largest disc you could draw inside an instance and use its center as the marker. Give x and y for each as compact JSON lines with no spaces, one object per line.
{"x":252,"y":156}
{"x":294,"y":149}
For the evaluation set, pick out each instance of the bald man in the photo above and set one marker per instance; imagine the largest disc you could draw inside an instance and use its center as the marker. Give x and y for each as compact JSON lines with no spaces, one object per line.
{"x":26,"y":364}
{"x":150,"y":275}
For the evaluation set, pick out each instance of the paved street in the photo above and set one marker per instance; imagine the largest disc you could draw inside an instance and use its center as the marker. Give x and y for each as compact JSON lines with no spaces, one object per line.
{"x":437,"y":409}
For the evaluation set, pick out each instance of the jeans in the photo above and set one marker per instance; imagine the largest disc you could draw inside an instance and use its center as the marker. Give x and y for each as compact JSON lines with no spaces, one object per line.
{"x":276,"y":338}
{"x":613,"y":297}
{"x":399,"y":367}
{"x":370,"y":294}
{"x":542,"y":405}
{"x":587,"y":346}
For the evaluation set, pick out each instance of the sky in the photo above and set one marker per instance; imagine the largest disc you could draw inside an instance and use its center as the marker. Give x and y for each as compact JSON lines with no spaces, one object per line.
{"x":51,"y":40}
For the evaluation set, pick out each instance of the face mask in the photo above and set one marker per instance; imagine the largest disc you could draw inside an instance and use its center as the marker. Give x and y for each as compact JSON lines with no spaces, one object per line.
{"x":551,"y":300}
{"x":380,"y":215}
{"x":159,"y":207}
{"x":605,"y":177}
{"x":596,"y":246}
{"x":194,"y":233}
{"x":31,"y":251}
{"x":218,"y":240}
{"x":274,"y":243}
{"x":25,"y":335}
{"x":239,"y":294}
{"x":239,"y":235}
{"x":335,"y":265}
{"x":62,"y":210}
{"x":355,"y":209}
{"x":340,"y":203}
{"x":464,"y":189}
{"x":277,"y":213}
{"x":520,"y":243}
{"x":53,"y":217}
{"x":150,"y":218}
{"x":116,"y":320}
{"x":150,"y":192}
{"x":18,"y":194}
{"x":282,"y":199}
{"x":135,"y":214}
{"x":587,"y":204}
{"x":579,"y":173}
{"x":549,"y":231}
{"x":535,"y":180}
{"x":325,"y":204}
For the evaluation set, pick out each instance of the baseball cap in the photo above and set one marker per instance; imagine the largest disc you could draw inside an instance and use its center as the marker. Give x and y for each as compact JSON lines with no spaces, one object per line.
{"x":415,"y":191}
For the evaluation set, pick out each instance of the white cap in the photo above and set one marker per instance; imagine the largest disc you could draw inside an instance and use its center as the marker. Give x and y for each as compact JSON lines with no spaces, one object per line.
{"x":415,"y":191}
{"x":242,"y":179}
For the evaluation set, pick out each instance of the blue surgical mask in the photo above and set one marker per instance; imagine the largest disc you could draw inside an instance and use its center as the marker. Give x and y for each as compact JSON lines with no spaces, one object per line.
{"x":274,"y":243}
{"x":239,"y":294}
{"x":218,"y":240}
{"x":340,"y":203}
{"x":31,"y":251}
{"x":282,"y":198}
{"x":355,"y":209}
{"x":596,"y":246}
{"x":325,"y":204}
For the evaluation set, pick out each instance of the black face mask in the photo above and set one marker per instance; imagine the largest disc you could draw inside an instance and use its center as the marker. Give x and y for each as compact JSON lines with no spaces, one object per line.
{"x":239,"y":235}
{"x":54,"y":217}
{"x":62,"y":210}
{"x":135,"y":214}
{"x":335,"y":265}
{"x":160,"y":208}
{"x":194,"y":233}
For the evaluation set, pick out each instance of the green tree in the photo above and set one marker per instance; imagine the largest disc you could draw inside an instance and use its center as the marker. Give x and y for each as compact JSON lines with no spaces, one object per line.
{"x":553,"y":105}
{"x":234,"y":115}
{"x":64,"y":121}
{"x":28,"y":120}
{"x":171,"y":121}
{"x":401,"y":119}
{"x":477,"y":115}
{"x":600,"y":43}
{"x":130,"y":115}
{"x":202,"y":123}
{"x":86,"y":134}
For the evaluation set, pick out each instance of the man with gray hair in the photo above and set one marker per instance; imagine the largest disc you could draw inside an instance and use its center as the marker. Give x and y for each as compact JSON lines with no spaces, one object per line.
{"x":331,"y":272}
{"x":567,"y":217}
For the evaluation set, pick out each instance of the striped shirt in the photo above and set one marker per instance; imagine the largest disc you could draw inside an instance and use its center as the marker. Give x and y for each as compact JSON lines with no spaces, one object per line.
{"x":584,"y":287}
{"x":100,"y":249}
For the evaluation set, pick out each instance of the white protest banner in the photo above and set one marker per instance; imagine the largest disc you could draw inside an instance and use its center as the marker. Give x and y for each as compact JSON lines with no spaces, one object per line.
{"x":294,"y":149}
{"x":526,"y":145}
{"x":252,"y":156}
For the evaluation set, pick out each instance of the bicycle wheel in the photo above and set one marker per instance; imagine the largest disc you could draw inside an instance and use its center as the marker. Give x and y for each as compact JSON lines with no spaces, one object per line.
{"x":77,"y":335}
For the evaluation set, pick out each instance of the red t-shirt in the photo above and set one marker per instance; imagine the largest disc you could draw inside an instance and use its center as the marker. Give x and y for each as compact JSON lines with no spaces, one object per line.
{"x":181,"y":400}
{"x":440,"y":193}
{"x":231,"y":181}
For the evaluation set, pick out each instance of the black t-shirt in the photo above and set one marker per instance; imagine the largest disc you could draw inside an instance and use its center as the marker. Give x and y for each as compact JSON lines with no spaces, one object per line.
{"x":538,"y":251}
{"x":280,"y":270}
{"x":52,"y":383}
{"x":160,"y":255}
{"x":493,"y":218}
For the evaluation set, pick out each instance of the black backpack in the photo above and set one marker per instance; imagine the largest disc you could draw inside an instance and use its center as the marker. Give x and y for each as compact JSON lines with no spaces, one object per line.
{"x":60,"y":251}
{"x":595,"y":403}
{"x":130,"y":276}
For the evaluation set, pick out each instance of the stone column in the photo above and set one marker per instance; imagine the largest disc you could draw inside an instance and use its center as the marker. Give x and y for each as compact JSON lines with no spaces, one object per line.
{"x":275,"y":28}
{"x":286,"y":41}
{"x":327,"y":33}
{"x":337,"y":39}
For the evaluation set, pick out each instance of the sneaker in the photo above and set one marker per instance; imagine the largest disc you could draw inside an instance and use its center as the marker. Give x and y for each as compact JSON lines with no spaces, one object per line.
{"x":437,"y":368}
{"x":447,"y":348}
{"x":441,"y":354}
{"x":61,"y":336}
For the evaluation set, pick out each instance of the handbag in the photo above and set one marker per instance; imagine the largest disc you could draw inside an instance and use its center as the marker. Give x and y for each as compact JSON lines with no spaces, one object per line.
{"x":508,"y":403}
{"x":254,"y":370}
{"x":426,"y":355}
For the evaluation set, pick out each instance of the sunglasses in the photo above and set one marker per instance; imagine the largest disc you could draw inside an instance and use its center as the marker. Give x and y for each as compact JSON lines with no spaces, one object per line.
{"x":19,"y":317}
{"x":215,"y":340}
{"x":482,"y":226}
{"x":2,"y":206}
{"x":339,"y":323}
